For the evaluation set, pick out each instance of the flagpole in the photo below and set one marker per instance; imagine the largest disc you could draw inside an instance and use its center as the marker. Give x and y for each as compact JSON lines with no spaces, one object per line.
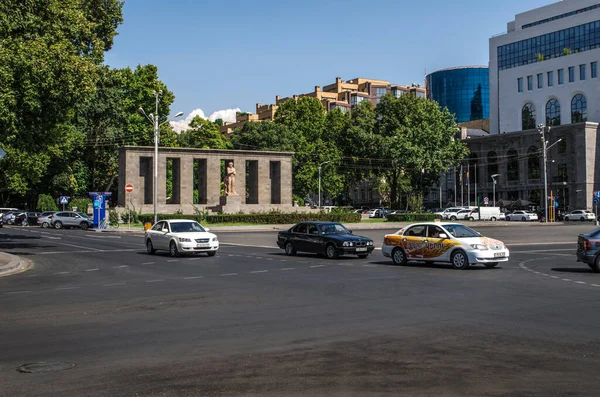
{"x":462,"y":187}
{"x":476,"y":198}
{"x":468,"y":186}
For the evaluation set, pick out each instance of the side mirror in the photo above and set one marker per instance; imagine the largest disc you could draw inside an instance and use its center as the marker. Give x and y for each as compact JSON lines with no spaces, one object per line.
{"x":443,"y":235}
{"x":350,"y":231}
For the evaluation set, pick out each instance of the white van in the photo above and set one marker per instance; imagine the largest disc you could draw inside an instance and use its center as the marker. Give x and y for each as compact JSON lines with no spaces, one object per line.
{"x":487,"y":214}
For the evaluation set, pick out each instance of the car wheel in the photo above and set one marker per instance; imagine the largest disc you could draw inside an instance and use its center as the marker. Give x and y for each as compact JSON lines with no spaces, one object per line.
{"x":452,"y":218}
{"x":567,"y":218}
{"x":212,"y":253}
{"x":84,"y":225}
{"x":491,"y":265}
{"x":460,"y":260}
{"x":398,"y":257}
{"x":508,"y":218}
{"x":173,"y":249}
{"x":331,"y":252}
{"x":363,"y":256}
{"x":493,"y":219}
{"x":582,"y":219}
{"x":10,"y":222}
{"x":58,"y":225}
{"x":150,"y":247}
{"x":596,"y":268}
{"x":523,"y":219}
{"x":471,"y":218}
{"x":45,"y":225}
{"x":289,"y":249}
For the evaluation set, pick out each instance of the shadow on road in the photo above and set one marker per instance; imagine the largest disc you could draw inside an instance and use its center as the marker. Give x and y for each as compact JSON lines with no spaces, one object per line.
{"x":572,"y":269}
{"x":442,"y":266}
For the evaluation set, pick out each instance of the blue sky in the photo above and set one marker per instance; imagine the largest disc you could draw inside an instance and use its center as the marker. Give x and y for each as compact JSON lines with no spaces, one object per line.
{"x":233,"y":54}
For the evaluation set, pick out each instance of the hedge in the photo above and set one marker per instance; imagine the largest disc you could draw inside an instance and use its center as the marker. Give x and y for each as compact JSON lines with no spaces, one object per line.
{"x":274,"y":218}
{"x":426,"y":217}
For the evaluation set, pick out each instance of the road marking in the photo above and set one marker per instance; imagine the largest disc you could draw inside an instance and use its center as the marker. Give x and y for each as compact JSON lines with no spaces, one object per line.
{"x":287,"y":268}
{"x":66,"y":288}
{"x":154,"y":281}
{"x":122,"y":266}
{"x":113,"y":284}
{"x":61,"y":273}
{"x":580,"y":282}
{"x":53,"y":238}
{"x":193,"y":277}
{"x":228,"y":274}
{"x":317,"y":266}
{"x":173,"y":260}
{"x":259,"y":271}
{"x":148,"y":263}
{"x":369,"y":265}
{"x":81,"y":246}
{"x":16,"y":292}
{"x":566,"y":279}
{"x":92,"y":270}
{"x":554,"y":276}
{"x":595,"y":285}
{"x":194,"y":259}
{"x":283,"y":260}
{"x":249,"y":246}
{"x":541,"y":251}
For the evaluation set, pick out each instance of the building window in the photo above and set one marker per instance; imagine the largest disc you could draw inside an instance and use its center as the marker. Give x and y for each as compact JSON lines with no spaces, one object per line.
{"x":420,"y":94}
{"x":529,"y":83}
{"x":492,"y":163}
{"x":379,"y":92}
{"x":553,"y":112}
{"x":594,"y":67}
{"x":550,"y":78}
{"x":342,"y":108}
{"x":528,"y":117}
{"x":578,"y":109}
{"x":561,"y":76}
{"x":512,"y":165}
{"x":571,"y":74}
{"x":540,"y":80}
{"x":562,"y":173}
{"x":533,"y":163}
{"x":520,"y":84}
{"x":581,"y":72}
{"x":356,"y":99}
{"x":551,"y":45}
{"x":397,"y":92}
{"x":562,"y":146}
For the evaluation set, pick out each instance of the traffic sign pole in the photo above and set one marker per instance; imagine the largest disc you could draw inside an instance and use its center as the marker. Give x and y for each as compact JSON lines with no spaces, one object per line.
{"x":128,"y":189}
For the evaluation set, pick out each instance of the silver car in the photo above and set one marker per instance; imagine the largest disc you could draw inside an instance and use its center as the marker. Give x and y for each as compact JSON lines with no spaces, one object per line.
{"x":45,"y":219}
{"x":71,"y":219}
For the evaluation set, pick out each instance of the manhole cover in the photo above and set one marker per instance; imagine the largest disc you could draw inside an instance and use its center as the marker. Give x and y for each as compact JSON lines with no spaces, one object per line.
{"x":44,"y":366}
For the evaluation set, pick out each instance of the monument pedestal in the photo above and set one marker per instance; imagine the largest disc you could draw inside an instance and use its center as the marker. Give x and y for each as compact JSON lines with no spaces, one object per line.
{"x":230,"y":204}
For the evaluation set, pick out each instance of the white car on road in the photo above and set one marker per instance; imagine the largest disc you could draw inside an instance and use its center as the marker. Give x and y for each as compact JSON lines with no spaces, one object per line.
{"x":522,"y":216}
{"x":580,"y":215}
{"x":180,"y":236}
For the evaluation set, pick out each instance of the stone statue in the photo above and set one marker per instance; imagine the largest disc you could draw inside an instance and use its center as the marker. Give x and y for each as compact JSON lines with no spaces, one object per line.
{"x":230,"y":180}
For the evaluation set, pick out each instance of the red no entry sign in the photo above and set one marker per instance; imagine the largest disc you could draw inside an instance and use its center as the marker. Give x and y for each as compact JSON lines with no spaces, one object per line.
{"x":129,"y":188}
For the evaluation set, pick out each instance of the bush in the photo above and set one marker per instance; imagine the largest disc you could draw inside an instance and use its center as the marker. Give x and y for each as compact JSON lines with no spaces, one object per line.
{"x":412,"y":217}
{"x":271,"y":218}
{"x":46,"y":203}
{"x":113,"y":216}
{"x":81,"y":204}
{"x":129,"y":213}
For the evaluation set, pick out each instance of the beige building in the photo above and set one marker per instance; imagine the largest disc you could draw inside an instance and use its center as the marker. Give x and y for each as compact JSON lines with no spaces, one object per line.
{"x":341,"y":94}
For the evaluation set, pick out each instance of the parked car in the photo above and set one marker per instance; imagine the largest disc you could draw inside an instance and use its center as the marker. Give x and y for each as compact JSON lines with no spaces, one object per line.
{"x":443,"y":242}
{"x":486,"y":214}
{"x":377,"y":213}
{"x":32,"y":218}
{"x":9,"y":216}
{"x":580,"y":215}
{"x":180,"y":236}
{"x":522,"y":216}
{"x":329,"y":238}
{"x":464,"y":214}
{"x":71,"y":219}
{"x":451,"y":213}
{"x":45,"y":219}
{"x":588,"y":249}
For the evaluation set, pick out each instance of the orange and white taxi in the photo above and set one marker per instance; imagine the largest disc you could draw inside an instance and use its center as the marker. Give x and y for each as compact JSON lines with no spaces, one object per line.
{"x":443,"y":242}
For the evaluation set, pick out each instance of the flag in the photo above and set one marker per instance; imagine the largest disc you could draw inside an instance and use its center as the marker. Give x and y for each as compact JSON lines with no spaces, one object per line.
{"x":467,"y":177}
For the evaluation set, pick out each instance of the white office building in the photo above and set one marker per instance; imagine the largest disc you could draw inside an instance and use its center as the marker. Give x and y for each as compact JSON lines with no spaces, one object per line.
{"x":544,"y":69}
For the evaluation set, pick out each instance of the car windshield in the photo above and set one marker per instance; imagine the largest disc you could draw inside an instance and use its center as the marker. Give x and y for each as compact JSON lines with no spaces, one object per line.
{"x":334,"y":228}
{"x":186,"y":227}
{"x":460,"y":231}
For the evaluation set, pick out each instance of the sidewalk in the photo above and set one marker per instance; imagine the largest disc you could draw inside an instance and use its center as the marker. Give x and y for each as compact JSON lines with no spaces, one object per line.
{"x":12,"y":264}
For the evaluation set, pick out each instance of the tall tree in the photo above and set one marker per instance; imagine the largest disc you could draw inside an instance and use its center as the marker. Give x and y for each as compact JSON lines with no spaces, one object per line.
{"x":203,"y":134}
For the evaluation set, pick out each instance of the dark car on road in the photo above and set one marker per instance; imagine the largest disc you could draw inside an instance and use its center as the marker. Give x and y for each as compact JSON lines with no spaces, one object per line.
{"x":329,"y":238}
{"x":588,"y":249}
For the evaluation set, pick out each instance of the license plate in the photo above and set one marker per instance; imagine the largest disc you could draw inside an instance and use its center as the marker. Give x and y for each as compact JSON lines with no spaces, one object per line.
{"x":202,"y":245}
{"x":361,"y":249}
{"x":499,"y":254}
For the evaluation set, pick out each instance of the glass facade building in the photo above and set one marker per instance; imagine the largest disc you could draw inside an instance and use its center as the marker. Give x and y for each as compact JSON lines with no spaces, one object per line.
{"x":463,"y":90}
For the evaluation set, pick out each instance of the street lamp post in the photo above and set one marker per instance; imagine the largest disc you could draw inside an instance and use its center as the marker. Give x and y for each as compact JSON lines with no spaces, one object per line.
{"x":541,"y":129}
{"x":320,"y":165}
{"x":153,"y":118}
{"x":494,"y":176}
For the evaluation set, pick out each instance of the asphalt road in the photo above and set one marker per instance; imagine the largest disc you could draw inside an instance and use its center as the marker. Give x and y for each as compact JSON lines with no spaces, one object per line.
{"x":254,"y":322}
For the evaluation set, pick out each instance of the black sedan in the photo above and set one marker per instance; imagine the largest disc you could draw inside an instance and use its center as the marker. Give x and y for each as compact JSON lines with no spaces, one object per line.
{"x":329,"y":238}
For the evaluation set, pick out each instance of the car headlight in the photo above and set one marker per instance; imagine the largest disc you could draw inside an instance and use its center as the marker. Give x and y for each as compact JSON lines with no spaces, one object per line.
{"x":184,"y":240}
{"x":480,"y":247}
{"x":215,"y":239}
{"x":348,"y":244}
{"x":369,"y":243}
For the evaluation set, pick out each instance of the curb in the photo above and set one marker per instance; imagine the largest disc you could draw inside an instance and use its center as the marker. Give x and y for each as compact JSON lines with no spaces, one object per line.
{"x":12,"y":264}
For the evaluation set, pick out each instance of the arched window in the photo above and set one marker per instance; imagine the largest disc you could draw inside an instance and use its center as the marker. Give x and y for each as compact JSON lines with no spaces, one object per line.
{"x":512,"y":165}
{"x":533,"y":163}
{"x":528,"y":117}
{"x":492,"y":160}
{"x":578,"y":109}
{"x":474,"y":174}
{"x":553,"y":112}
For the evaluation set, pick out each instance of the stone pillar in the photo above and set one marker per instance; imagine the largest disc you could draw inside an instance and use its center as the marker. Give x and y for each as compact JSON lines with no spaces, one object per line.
{"x":213,"y":185}
{"x":286,"y":183}
{"x":264,"y":183}
{"x":239,"y":163}
{"x":162,"y":181}
{"x":187,"y":179}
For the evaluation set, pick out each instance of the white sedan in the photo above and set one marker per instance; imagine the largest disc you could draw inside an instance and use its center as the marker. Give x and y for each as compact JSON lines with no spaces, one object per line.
{"x":522,"y":216}
{"x":180,"y":236}
{"x":580,"y":215}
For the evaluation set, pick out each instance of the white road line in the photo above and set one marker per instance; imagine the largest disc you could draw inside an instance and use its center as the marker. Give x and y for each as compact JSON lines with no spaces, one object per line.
{"x":566,"y":279}
{"x":345,"y":264}
{"x":369,"y":265}
{"x":194,"y":259}
{"x":317,"y":266}
{"x":554,"y":276}
{"x":250,"y":246}
{"x":16,"y":292}
{"x":287,"y":268}
{"x":248,"y":256}
{"x":122,"y":266}
{"x":113,"y":284}
{"x":83,"y":251}
{"x":193,"y":277}
{"x":66,"y":288}
{"x":61,"y":273}
{"x":595,"y":285}
{"x":580,"y":282}
{"x":283,"y":260}
{"x":228,"y":274}
{"x":92,"y":270}
{"x":259,"y":271}
{"x":173,"y":260}
{"x":53,"y":238}
{"x":154,"y":281}
{"x":148,"y":263}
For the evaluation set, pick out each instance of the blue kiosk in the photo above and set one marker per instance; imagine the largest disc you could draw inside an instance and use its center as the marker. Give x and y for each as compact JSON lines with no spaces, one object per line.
{"x":99,"y":199}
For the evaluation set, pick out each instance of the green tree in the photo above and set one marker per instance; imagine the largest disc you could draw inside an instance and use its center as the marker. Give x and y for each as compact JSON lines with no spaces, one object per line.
{"x":46,"y":203}
{"x":50,"y":54}
{"x":203,"y":134}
